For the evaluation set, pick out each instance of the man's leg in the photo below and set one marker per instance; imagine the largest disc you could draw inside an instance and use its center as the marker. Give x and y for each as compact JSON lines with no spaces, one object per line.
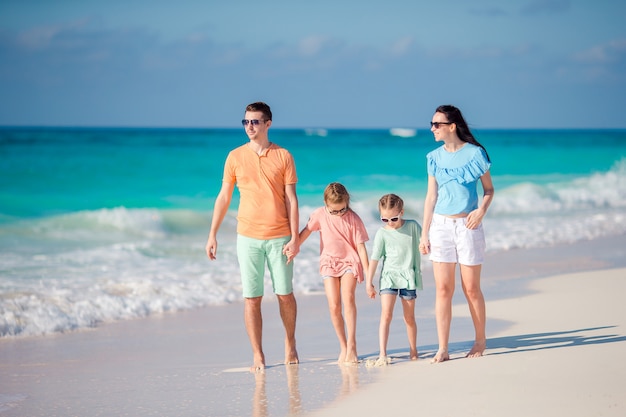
{"x":250,"y":254}
{"x":288,"y":313}
{"x":281,"y":273}
{"x":254,"y":327}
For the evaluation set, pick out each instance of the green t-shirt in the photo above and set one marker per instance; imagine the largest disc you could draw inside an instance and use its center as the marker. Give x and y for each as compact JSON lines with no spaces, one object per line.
{"x":398,"y":248}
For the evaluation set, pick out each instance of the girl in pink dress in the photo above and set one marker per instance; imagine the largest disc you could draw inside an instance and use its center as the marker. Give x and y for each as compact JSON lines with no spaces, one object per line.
{"x":343,"y":260}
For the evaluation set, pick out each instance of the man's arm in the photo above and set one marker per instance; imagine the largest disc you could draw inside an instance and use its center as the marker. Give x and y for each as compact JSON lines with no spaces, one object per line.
{"x":220,"y":208}
{"x":292,"y":248}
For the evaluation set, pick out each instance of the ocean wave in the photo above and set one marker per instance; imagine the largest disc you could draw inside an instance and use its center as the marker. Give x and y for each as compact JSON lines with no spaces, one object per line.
{"x":602,"y":190}
{"x":73,"y":271}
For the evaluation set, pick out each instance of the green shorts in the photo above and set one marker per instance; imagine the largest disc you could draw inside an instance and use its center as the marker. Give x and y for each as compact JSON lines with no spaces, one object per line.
{"x":252,"y":255}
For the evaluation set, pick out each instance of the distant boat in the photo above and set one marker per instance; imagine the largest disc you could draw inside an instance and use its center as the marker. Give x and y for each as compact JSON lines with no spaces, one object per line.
{"x":316,"y":132}
{"x":403,"y":132}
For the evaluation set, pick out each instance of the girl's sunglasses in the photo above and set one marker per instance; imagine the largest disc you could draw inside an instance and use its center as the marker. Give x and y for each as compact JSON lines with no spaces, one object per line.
{"x":340,"y":211}
{"x":393,"y":219}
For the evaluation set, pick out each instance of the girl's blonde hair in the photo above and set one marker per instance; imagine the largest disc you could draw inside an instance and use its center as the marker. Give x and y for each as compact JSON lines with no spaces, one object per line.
{"x":390,"y":201}
{"x":336,"y":193}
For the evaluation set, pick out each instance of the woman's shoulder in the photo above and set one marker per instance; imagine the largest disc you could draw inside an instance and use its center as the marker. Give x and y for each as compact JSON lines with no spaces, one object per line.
{"x":435,"y":152}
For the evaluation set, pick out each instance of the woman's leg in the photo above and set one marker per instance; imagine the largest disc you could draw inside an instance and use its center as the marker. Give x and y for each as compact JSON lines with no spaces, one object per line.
{"x":470,"y":279}
{"x":444,"y":285}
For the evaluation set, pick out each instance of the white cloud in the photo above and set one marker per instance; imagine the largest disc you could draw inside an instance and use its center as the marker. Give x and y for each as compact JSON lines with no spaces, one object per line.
{"x":402,"y":46}
{"x":601,"y":54}
{"x":312,"y":45}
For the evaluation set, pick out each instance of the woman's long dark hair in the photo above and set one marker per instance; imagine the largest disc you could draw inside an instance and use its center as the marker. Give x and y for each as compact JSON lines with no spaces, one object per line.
{"x":454,"y":115}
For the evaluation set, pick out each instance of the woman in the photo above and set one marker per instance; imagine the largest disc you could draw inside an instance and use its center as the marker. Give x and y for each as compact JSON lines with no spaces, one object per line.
{"x":452,"y":227}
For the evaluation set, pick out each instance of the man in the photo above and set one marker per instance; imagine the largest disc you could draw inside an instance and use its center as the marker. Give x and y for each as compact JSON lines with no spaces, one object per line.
{"x":267,"y":226}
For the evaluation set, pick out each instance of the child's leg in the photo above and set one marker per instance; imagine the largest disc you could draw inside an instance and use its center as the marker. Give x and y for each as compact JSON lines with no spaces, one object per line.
{"x":348,"y":289}
{"x":387,"y":302}
{"x":332,"y":286}
{"x":408,"y":307}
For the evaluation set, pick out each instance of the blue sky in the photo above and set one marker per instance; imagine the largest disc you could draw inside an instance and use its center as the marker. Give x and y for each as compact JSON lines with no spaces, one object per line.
{"x":325,"y":64}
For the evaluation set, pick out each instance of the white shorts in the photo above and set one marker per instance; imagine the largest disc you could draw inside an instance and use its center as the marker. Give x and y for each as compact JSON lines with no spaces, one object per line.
{"x":452,"y":242}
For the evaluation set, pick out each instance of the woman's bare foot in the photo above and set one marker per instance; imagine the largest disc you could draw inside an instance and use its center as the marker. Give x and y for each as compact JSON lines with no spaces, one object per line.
{"x":413,"y":355}
{"x":478,"y":349}
{"x":441,"y":356}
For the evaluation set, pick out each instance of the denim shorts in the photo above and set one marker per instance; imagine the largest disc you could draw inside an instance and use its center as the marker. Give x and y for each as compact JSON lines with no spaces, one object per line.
{"x":253,"y":254}
{"x":452,"y":242}
{"x":403,"y":292}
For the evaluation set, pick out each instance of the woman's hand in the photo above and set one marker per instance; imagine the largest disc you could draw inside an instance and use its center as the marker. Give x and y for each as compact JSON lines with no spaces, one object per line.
{"x":474,"y":219}
{"x":424,"y":246}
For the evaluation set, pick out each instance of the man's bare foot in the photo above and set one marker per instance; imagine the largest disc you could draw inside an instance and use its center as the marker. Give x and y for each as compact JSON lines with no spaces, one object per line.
{"x":291,"y":354}
{"x":257,"y":369}
{"x":292,"y":359}
{"x":258,"y":364}
{"x":478,"y":349}
{"x":441,"y":356}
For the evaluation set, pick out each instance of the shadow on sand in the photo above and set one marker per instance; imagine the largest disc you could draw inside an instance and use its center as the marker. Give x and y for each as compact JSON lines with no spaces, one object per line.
{"x":535,"y":341}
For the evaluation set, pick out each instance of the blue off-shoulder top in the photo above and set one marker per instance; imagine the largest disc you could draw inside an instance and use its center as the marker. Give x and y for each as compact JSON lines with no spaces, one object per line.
{"x":457,"y":174}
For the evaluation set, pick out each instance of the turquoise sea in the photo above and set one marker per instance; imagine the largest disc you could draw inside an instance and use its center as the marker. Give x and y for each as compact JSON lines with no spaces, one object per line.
{"x":98,"y":225}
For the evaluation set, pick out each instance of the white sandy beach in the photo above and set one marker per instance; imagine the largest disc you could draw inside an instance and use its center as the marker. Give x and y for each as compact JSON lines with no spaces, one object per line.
{"x":561,"y":356}
{"x":556,"y":329}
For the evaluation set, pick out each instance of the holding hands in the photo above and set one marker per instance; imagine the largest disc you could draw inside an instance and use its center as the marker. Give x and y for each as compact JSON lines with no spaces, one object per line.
{"x":290,"y":250}
{"x":424,"y":246}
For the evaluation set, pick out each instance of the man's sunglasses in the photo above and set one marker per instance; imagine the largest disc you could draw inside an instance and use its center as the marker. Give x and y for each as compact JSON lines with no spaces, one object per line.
{"x":253,"y":122}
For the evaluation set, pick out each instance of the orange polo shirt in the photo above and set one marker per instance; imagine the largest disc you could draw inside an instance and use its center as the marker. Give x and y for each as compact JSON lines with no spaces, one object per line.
{"x":261,"y":181}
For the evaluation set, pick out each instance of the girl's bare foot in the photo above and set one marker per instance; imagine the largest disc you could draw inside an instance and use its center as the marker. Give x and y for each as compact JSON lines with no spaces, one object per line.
{"x":441,"y":356}
{"x":478,"y":349}
{"x":383,"y":361}
{"x":351,"y":360}
{"x":351,"y":357}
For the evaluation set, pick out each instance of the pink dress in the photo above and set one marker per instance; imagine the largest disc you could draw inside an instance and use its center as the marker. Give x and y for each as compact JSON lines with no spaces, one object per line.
{"x":339,"y":237}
